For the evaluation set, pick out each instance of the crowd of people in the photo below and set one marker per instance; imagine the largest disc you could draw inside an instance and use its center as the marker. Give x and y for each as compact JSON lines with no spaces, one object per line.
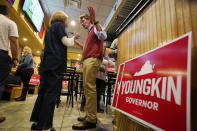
{"x":53,"y":64}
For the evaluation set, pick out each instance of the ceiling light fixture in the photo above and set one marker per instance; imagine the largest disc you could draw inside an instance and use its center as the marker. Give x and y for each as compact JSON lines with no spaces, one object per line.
{"x":38,"y":52}
{"x":73,"y":23}
{"x":76,"y":3}
{"x":24,"y":39}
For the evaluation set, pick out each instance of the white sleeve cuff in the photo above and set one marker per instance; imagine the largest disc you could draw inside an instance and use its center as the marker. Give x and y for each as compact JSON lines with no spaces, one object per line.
{"x":67,"y":41}
{"x":102,"y":35}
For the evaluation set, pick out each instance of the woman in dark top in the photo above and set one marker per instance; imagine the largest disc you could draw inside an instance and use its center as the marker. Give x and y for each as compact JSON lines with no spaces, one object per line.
{"x":53,"y":64}
{"x":26,"y":71}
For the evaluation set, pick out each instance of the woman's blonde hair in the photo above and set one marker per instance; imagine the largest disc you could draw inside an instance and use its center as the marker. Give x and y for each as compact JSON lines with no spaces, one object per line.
{"x":28,"y":50}
{"x":58,"y":16}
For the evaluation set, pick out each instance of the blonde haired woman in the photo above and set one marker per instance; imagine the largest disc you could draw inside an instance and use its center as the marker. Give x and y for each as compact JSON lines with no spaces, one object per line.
{"x":53,"y":65}
{"x":26,"y":67}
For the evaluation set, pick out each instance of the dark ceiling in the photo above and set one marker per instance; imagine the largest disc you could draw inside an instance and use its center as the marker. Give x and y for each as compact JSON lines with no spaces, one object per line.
{"x":127,"y":13}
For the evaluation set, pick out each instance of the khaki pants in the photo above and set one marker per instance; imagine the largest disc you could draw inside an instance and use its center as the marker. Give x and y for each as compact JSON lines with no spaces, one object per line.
{"x":90,"y":70}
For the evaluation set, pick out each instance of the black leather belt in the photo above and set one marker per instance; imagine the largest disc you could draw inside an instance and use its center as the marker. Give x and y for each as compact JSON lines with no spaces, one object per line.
{"x":3,"y":51}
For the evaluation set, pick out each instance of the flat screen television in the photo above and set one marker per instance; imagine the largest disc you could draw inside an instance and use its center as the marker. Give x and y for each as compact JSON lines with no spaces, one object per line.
{"x":10,"y":2}
{"x":34,"y":11}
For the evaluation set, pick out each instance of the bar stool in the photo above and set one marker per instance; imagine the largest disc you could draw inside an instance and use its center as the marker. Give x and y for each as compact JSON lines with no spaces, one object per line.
{"x":77,"y":82}
{"x":69,"y":76}
{"x":111,"y":81}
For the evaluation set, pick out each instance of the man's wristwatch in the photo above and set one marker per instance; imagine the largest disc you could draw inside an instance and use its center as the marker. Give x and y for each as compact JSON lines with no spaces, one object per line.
{"x":96,"y":22}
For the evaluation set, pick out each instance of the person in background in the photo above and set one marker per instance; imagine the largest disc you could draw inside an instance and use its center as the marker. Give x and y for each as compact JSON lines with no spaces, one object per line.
{"x":53,"y":65}
{"x":26,"y":71}
{"x":113,"y":54}
{"x":113,"y":49}
{"x":8,"y":39}
{"x":101,"y":78}
{"x":100,"y":82}
{"x":92,"y":58}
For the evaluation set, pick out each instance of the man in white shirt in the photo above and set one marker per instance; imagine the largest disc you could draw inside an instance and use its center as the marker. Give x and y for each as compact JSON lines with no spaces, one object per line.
{"x":8,"y":39}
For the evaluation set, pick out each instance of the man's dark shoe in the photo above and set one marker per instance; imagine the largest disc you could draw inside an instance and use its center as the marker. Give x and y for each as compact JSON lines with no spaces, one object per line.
{"x":20,"y":99}
{"x":2,"y":119}
{"x":100,"y":110}
{"x":34,"y":126}
{"x":81,"y":118}
{"x":84,"y":125}
{"x":52,"y":129}
{"x":113,"y":121}
{"x":82,"y":108}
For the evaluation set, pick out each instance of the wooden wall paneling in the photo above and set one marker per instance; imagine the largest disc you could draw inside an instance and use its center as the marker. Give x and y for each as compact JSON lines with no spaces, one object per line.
{"x":151,"y":33}
{"x":193,"y":11}
{"x":116,"y":120}
{"x":131,"y":125}
{"x":134,"y":46}
{"x":119,"y":56}
{"x":168,"y":20}
{"x":137,"y":36}
{"x":124,"y":38}
{"x":122,"y":48}
{"x":133,"y":40}
{"x":145,"y":43}
{"x":179,"y":14}
{"x":186,"y":16}
{"x":142,"y":34}
{"x":125,"y":124}
{"x":146,"y":32}
{"x":118,"y":53}
{"x":158,"y":23}
{"x":163,"y":23}
{"x":130,"y":42}
{"x":123,"y":45}
{"x":173,"y":19}
{"x":127,"y":43}
{"x":154,"y":19}
{"x":188,"y":28}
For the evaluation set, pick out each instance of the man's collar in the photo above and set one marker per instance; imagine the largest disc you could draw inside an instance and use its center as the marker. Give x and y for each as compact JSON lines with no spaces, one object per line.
{"x":90,"y":27}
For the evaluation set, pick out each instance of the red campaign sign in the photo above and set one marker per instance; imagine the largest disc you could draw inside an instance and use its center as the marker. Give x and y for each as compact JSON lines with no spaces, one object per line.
{"x":65,"y":84}
{"x":110,"y":69}
{"x":35,"y":80}
{"x":154,"y":88}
